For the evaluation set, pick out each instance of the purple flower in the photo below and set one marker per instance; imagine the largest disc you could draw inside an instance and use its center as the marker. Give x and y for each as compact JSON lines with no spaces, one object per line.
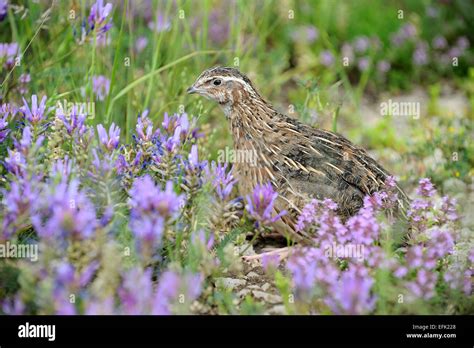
{"x":160,"y":24}
{"x":364,"y":227}
{"x":3,"y":128}
{"x":74,"y":121}
{"x":326,"y":58}
{"x":15,"y":163}
{"x":99,"y":17}
{"x":363,"y":64}
{"x":23,"y":82}
{"x":448,"y":209}
{"x":219,"y":27}
{"x":440,"y":244}
{"x":150,"y":207}
{"x":100,"y":307}
{"x":103,"y":162}
{"x":136,"y":292}
{"x":123,"y":166}
{"x":3,"y":9}
{"x":7,"y":109}
{"x":383,"y":66}
{"x":8,"y":53}
{"x":260,"y":205}
{"x":37,"y":112}
{"x":16,"y":204}
{"x":64,"y":274}
{"x":400,"y":272}
{"x":439,"y":42}
{"x":111,"y":140}
{"x":409,"y":30}
{"x":64,"y":211}
{"x":462,"y":43}
{"x":141,"y":44}
{"x":171,"y":143}
{"x":420,"y":56}
{"x":144,"y":128}
{"x":307,"y":34}
{"x":192,"y":165}
{"x":14,"y":306}
{"x":61,"y":168}
{"x":170,"y":124}
{"x":425,"y":188}
{"x":100,"y":86}
{"x":312,"y":33}
{"x":270,"y":262}
{"x":352,"y":293}
{"x":223,"y":182}
{"x":347,"y":51}
{"x":312,"y":270}
{"x":147,"y":197}
{"x":414,"y":256}
{"x":308,"y":215}
{"x":454,"y":52}
{"x":406,"y":32}
{"x":172,"y":288}
{"x":361,"y":44}
{"x":423,"y":287}
{"x":103,"y":40}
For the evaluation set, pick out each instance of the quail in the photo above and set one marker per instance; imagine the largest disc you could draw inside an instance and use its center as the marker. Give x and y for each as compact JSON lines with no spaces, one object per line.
{"x":301,"y":162}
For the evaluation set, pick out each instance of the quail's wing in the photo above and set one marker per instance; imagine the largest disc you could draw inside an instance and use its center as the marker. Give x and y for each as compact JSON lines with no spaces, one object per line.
{"x":325,"y":164}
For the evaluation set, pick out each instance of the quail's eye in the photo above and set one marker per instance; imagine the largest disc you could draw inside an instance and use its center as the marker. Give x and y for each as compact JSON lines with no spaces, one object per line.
{"x":216,"y":82}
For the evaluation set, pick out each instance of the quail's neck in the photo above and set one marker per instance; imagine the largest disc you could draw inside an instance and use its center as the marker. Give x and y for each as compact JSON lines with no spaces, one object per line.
{"x":250,"y":120}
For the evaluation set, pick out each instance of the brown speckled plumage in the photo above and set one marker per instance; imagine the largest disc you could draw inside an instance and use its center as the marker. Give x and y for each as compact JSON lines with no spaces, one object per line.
{"x":300,"y":161}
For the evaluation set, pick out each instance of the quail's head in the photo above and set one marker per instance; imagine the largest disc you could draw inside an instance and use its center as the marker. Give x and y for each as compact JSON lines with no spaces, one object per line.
{"x":226,"y":86}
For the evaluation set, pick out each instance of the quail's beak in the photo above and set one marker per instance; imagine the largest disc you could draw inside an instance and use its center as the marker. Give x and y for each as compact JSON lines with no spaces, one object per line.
{"x":191,"y":90}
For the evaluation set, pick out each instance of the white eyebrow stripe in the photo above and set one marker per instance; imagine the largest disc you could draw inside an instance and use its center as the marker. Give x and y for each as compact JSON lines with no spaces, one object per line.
{"x":247,"y":87}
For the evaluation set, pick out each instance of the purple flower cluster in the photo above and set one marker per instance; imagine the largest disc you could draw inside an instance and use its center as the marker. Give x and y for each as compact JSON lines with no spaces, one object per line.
{"x":421,"y":208}
{"x":348,"y":289}
{"x":3,"y":127}
{"x":64,"y":211}
{"x":8,"y":53}
{"x":3,"y":9}
{"x":23,"y":82}
{"x":305,"y":34}
{"x":100,"y":87}
{"x":420,"y":55}
{"x":16,"y":204}
{"x":141,"y":44}
{"x":151,"y":208}
{"x":405,"y":33}
{"x":326,"y":58}
{"x":352,"y":293}
{"x":221,"y":180}
{"x":261,"y":205}
{"x":36,"y":113}
{"x":75,"y":121}
{"x":16,"y":161}
{"x":219,"y":28}
{"x":110,"y":140}
{"x":99,"y":17}
{"x":137,"y":294}
{"x":144,"y":128}
{"x":160,"y":24}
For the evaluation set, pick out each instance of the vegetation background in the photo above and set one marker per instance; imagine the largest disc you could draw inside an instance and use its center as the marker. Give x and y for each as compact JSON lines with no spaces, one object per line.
{"x":141,"y":56}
